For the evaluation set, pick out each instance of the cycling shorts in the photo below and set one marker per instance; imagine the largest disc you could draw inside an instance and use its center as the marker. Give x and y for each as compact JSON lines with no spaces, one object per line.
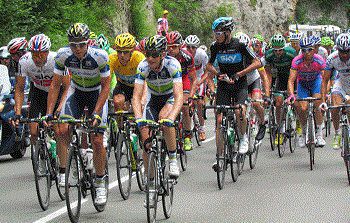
{"x":38,"y":102}
{"x":309,"y":88}
{"x":342,"y":89}
{"x":282,"y":82}
{"x":125,"y":90}
{"x":255,"y":86}
{"x":77,"y":100}
{"x":186,"y":83}
{"x":155,"y":104}
{"x":228,"y":93}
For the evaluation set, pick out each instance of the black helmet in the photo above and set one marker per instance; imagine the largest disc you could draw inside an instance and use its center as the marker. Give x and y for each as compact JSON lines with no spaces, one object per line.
{"x":78,"y":31}
{"x":223,"y":24}
{"x":156,"y":43}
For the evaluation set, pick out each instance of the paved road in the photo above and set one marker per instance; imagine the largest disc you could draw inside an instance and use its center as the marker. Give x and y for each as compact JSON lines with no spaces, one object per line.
{"x":277,"y":190}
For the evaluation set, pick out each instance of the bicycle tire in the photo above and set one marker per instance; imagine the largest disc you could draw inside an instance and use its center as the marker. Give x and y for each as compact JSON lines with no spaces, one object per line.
{"x":167,"y":184}
{"x":152,"y":172}
{"x":311,"y":142}
{"x":254,"y":155}
{"x":42,"y":174}
{"x":346,"y":154}
{"x":281,"y":147}
{"x":74,"y":178}
{"x":123,"y":164}
{"x":272,"y":127}
{"x":221,"y":162}
{"x":253,"y":144}
{"x":234,"y":164}
{"x":241,"y":161}
{"x":292,"y":132}
{"x":99,"y":207}
{"x":195,"y":128}
{"x":181,"y":153}
{"x":140,"y":169}
{"x":112,"y":139}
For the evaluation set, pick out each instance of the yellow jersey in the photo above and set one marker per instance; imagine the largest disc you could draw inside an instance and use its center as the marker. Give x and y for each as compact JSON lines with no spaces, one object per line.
{"x":125,"y":74}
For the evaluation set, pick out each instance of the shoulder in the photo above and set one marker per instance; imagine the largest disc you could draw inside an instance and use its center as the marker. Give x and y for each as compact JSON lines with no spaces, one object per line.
{"x":25,"y":58}
{"x":63,"y":53}
{"x":137,"y":56}
{"x":172,"y":63}
{"x":318,"y":59}
{"x":298,"y":59}
{"x":143,"y":66}
{"x":101,"y":56}
{"x":113,"y":57}
{"x":290,"y":51}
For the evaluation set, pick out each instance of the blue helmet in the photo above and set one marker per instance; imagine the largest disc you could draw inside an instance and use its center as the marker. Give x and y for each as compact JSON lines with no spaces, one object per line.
{"x":307,"y":42}
{"x":317,"y":40}
{"x":223,"y":24}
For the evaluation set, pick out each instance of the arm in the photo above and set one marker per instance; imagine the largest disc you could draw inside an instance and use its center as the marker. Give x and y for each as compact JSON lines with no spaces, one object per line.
{"x":105,"y":85}
{"x":136,"y":99}
{"x":326,"y":74}
{"x":256,"y":63}
{"x":144,"y":94}
{"x":194,"y":81}
{"x":178,"y":100}
{"x":53,"y":93}
{"x":265,"y":81}
{"x":19,"y":94}
{"x":291,"y":80}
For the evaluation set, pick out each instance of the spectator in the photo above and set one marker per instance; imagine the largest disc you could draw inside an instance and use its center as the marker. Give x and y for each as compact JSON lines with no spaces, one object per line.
{"x":163,"y":26}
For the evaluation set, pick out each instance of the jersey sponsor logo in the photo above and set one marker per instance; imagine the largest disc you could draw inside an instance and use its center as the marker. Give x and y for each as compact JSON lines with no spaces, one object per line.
{"x":229,"y":58}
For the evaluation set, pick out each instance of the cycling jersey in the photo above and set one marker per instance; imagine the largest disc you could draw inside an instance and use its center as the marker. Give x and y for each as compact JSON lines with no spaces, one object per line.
{"x":342,"y":80}
{"x":281,"y":63}
{"x":252,"y":76}
{"x":187,"y":65}
{"x":125,"y":74}
{"x":322,"y":52}
{"x":308,"y":72}
{"x":200,"y":61}
{"x":5,"y":85}
{"x":40,"y":76}
{"x":160,"y":83}
{"x":86,"y":73}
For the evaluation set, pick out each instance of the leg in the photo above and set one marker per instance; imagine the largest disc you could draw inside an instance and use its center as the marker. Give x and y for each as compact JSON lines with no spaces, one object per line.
{"x":186,"y":121}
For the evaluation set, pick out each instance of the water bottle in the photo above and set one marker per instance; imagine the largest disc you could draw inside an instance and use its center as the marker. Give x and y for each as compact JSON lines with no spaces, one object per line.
{"x":231,"y":137}
{"x":52,"y":148}
{"x":89,"y":159}
{"x":134,"y":139}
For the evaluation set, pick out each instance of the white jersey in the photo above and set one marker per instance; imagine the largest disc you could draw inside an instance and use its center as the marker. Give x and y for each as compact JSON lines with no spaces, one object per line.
{"x":5,"y":85}
{"x":342,"y":80}
{"x":252,"y":76}
{"x":322,"y":52}
{"x":40,"y":76}
{"x":200,"y":61}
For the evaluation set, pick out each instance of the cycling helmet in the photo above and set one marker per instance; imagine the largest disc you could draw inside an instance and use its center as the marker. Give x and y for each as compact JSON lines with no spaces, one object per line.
{"x":141,"y":46}
{"x":326,"y":41}
{"x":223,"y":24}
{"x":243,"y":38}
{"x":174,"y":37}
{"x":103,"y":42}
{"x":39,"y":43}
{"x":78,"y":31}
{"x":156,"y":43}
{"x":17,"y":44}
{"x":317,"y":40}
{"x":192,"y":40}
{"x":92,"y":35}
{"x":295,"y":36}
{"x":278,"y":41}
{"x":306,"y":42}
{"x":203,"y":47}
{"x":259,"y":37}
{"x":4,"y":53}
{"x":125,"y":41}
{"x":343,"y":41}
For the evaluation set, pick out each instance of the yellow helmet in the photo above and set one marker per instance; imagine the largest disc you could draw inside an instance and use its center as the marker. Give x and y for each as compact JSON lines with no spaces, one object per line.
{"x":125,"y":41}
{"x":165,"y":12}
{"x":92,"y":35}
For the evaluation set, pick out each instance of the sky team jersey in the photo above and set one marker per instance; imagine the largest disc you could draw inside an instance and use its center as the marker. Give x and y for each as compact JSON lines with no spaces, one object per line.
{"x":232,"y":57}
{"x":160,"y":83}
{"x":200,"y":61}
{"x":281,"y":63}
{"x":308,"y":72}
{"x":334,"y":63}
{"x":40,"y":76}
{"x":86,"y":74}
{"x":125,"y":74}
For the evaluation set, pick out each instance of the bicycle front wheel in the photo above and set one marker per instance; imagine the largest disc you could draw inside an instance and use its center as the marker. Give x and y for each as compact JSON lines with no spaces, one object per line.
{"x":292,"y":132}
{"x":168,"y":193}
{"x":346,"y":152}
{"x":140,"y":169}
{"x":272,"y":127}
{"x":124,"y":171}
{"x":152,"y":187}
{"x":73,"y":184}
{"x":221,"y":162}
{"x":196,"y":127}
{"x":42,"y":174}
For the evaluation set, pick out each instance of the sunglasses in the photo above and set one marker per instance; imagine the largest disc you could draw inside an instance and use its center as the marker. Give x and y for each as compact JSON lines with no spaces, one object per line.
{"x":306,"y":50}
{"x":191,"y":47}
{"x":218,"y":33}
{"x":278,"y":50}
{"x":123,"y":51}
{"x":173,"y":46}
{"x":153,"y":54}
{"x":344,"y":51}
{"x":78,"y":44}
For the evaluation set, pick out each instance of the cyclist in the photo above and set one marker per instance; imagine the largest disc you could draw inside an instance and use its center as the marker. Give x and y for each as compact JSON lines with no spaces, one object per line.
{"x":294,"y":41}
{"x":189,"y":79}
{"x":327,"y":43}
{"x":4,"y":56}
{"x":38,"y":65}
{"x":258,"y":45}
{"x":279,"y":57}
{"x":165,"y":96}
{"x":89,"y":87}
{"x":124,"y":64}
{"x":340,"y":61}
{"x":235,"y":61}
{"x":319,"y":49}
{"x":200,"y":61}
{"x":308,"y":69}
{"x":17,"y":47}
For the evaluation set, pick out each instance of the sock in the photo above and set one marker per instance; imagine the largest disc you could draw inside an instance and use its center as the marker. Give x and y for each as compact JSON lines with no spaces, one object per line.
{"x":172,"y":155}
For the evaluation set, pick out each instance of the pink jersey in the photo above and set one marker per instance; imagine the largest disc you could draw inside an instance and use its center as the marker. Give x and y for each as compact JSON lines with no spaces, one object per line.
{"x":308,"y":72}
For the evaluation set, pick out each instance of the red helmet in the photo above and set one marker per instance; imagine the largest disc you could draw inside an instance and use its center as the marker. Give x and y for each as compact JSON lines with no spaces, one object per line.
{"x":174,"y":37}
{"x":17,"y":44}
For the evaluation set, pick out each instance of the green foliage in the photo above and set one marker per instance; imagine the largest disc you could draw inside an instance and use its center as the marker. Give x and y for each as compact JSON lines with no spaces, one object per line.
{"x":253,"y":3}
{"x":30,"y":17}
{"x":140,"y":19}
{"x":300,"y":13}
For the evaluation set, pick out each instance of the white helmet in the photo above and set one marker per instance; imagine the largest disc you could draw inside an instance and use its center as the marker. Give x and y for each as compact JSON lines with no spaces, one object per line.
{"x":343,"y":41}
{"x":243,"y":38}
{"x":39,"y":43}
{"x":4,"y":53}
{"x":295,"y":36}
{"x":192,"y":40}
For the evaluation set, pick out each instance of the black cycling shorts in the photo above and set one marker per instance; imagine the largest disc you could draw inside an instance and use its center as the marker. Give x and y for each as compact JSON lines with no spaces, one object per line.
{"x":125,"y":90}
{"x":38,"y":102}
{"x":155,"y":105}
{"x":232,"y":93}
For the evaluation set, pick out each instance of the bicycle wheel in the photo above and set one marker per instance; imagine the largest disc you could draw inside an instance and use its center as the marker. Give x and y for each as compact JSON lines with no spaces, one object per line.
{"x":42,"y":174}
{"x":124,"y":172}
{"x":253,"y":144}
{"x":168,"y":188}
{"x":73,"y":184}
{"x":140,"y":168}
{"x":311,"y":141}
{"x":99,"y":207}
{"x":291,"y":130}
{"x":233,"y":162}
{"x":152,"y":187}
{"x":253,"y":156}
{"x":221,"y":162}
{"x":181,"y":153}
{"x":346,"y":152}
{"x":112,"y":137}
{"x":272,"y":127}
{"x":282,"y":142}
{"x":195,"y":128}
